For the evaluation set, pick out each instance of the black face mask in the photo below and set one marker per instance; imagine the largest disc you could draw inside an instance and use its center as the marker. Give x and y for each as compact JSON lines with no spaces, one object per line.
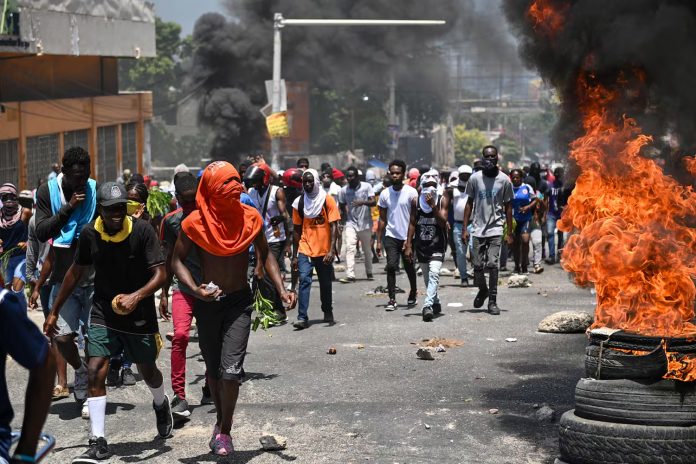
{"x":489,"y":166}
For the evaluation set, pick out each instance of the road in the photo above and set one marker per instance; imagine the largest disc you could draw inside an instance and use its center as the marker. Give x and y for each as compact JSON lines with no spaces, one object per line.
{"x":373,"y":401}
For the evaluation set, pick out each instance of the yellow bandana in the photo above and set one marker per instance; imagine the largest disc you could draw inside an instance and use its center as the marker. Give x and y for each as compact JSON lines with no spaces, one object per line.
{"x":118,"y":237}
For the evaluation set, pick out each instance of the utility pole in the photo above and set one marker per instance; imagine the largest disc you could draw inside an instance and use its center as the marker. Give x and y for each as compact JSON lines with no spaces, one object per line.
{"x":279,"y":22}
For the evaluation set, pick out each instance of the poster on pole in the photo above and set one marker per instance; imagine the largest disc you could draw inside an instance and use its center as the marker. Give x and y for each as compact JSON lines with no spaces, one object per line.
{"x":277,"y":125}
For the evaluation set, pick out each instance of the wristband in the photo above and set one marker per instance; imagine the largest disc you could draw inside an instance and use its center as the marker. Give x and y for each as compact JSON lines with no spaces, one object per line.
{"x":23,"y":458}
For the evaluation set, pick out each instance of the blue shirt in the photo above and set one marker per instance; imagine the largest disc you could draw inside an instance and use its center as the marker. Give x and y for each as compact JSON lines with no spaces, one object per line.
{"x":21,"y":339}
{"x":523,"y":196}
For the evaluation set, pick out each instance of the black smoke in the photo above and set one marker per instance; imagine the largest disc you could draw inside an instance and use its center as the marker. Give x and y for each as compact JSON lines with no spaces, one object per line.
{"x":233,"y":58}
{"x":605,"y":38}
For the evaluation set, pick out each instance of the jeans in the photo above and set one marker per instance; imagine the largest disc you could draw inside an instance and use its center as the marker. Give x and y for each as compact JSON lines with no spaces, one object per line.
{"x":537,"y":245}
{"x":182,"y":315}
{"x":75,"y":310}
{"x":486,"y":254}
{"x":305,"y":265}
{"x":551,"y":230}
{"x":460,"y":249}
{"x":395,"y":250}
{"x":351,"y":239}
{"x":431,"y":276}
{"x":16,"y":269}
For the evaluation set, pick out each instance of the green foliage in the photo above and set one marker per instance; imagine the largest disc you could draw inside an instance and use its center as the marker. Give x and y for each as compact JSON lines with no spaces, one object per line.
{"x":468,"y":144}
{"x":509,"y":149}
{"x":158,"y":202}
{"x":265,"y":315}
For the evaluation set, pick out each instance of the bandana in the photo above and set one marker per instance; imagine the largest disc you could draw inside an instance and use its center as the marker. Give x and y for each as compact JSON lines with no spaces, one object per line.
{"x":428,"y":177}
{"x":313,"y":201}
{"x":222,"y":225}
{"x":118,"y":237}
{"x":10,"y":212}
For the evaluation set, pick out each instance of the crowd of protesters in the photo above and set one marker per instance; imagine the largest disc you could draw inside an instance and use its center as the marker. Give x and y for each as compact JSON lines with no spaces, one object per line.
{"x":93,"y":257}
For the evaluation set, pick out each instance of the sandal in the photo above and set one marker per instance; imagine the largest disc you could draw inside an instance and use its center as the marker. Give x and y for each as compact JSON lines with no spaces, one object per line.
{"x":60,"y":392}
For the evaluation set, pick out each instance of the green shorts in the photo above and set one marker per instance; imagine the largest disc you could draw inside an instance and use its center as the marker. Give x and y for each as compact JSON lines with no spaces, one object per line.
{"x":105,"y":342}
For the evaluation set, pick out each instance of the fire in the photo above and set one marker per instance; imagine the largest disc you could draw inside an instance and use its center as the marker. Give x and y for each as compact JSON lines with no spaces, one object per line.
{"x":630,"y":236}
{"x":547,"y":16}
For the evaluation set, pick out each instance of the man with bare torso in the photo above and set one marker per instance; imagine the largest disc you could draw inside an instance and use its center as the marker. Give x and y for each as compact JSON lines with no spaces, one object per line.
{"x":221,"y":231}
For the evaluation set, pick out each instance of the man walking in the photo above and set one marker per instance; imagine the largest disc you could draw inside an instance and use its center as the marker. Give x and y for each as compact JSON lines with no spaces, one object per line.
{"x":428,"y":229}
{"x":220,"y":231}
{"x":356,"y":199}
{"x":490,"y":199}
{"x":458,"y":201}
{"x":315,"y":217}
{"x":183,"y":297}
{"x":395,"y":205}
{"x":556,"y":204}
{"x":64,"y":206}
{"x":129,"y":269}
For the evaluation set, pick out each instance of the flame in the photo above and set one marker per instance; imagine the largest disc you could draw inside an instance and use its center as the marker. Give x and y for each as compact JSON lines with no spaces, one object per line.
{"x":630,"y":236}
{"x":547,"y":17}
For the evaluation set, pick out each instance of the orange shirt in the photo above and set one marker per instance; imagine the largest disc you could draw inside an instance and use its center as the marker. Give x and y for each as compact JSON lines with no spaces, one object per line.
{"x":316,"y":232}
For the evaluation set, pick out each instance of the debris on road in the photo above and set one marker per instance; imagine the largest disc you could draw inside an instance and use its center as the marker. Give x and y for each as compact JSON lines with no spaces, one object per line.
{"x":493,"y":411}
{"x":511,"y":340}
{"x":454,"y":305}
{"x":382,"y":290}
{"x":332,"y":350}
{"x":566,"y":322}
{"x":360,"y":347}
{"x":545,"y":414}
{"x":440,"y":349}
{"x":273,"y":442}
{"x":427,"y":426}
{"x":425,"y":354}
{"x":443,"y":342}
{"x":518,"y":281}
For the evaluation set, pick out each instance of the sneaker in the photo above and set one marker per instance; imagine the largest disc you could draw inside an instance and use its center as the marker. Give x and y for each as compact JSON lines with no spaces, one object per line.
{"x":216,"y":432}
{"x":180,"y":408}
{"x":456,"y":273}
{"x":80,"y":384}
{"x":301,"y":325}
{"x":550,"y":261}
{"x":480,"y":298}
{"x":369,"y":277}
{"x":391,"y":305}
{"x":517,"y":270}
{"x":113,"y":378}
{"x":411,"y":299}
{"x":127,"y":377}
{"x":347,"y":280}
{"x":538,"y":269}
{"x":464,"y":283}
{"x":525,"y":271}
{"x":222,"y":445}
{"x":165,"y":421}
{"x":98,"y":451}
{"x":84,"y":413}
{"x":375,"y":259}
{"x":207,"y":398}
{"x":328,"y":317}
{"x":419,"y":271}
{"x":493,"y":308}
{"x":427,"y":314}
{"x":169,"y":336}
{"x":437,"y":308}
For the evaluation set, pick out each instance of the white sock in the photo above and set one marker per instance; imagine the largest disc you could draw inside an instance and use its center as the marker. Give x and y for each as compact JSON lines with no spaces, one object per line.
{"x":158,"y":395}
{"x":97,"y":411}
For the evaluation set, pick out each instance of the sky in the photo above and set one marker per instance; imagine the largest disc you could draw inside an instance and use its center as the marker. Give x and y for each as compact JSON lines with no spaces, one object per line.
{"x":185,"y":12}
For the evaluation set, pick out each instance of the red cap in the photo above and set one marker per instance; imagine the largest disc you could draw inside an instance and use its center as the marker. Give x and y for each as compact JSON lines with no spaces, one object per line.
{"x":293,"y":178}
{"x":337,"y":174}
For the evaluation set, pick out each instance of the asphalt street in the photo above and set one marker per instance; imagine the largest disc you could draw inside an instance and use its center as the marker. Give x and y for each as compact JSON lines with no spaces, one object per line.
{"x":374,"y":400}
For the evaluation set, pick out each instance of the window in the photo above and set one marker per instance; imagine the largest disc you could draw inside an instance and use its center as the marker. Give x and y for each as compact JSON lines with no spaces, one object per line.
{"x":42,"y":152}
{"x":9,"y":160}
{"x":129,"y":157}
{"x":106,"y":155}
{"x":78,"y":138}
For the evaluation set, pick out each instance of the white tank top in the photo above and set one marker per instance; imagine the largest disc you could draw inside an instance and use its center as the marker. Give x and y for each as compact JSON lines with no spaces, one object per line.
{"x":271,"y":212}
{"x":459,"y":204}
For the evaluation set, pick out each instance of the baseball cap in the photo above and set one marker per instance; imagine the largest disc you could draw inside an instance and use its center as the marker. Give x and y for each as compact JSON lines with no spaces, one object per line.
{"x":111,"y":193}
{"x":465,"y":169}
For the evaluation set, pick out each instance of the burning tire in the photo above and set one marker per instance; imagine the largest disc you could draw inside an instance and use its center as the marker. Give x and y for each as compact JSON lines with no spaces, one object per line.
{"x":607,"y":363}
{"x":664,"y":402}
{"x":585,"y":441}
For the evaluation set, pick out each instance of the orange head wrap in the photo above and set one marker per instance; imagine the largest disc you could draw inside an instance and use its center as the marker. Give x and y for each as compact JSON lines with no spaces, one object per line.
{"x":222,"y":225}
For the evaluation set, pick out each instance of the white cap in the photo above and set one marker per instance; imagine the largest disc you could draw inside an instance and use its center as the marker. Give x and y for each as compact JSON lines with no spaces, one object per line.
{"x":465,"y":169}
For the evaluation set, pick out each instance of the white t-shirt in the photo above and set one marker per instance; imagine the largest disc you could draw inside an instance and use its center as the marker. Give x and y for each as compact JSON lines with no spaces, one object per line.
{"x":398,"y":205}
{"x":271,"y":212}
{"x":459,"y":200}
{"x":334,"y":189}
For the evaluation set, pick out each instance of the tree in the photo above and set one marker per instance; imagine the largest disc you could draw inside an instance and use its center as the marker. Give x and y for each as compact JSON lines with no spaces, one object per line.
{"x":468,"y":144}
{"x":509,"y":149}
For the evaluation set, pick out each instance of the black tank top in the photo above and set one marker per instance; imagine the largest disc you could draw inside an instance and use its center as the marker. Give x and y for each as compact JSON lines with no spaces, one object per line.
{"x":431,"y":239}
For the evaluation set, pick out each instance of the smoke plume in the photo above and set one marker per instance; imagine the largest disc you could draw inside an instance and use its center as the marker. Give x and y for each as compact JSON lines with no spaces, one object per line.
{"x":602,"y":39}
{"x":233,"y":57}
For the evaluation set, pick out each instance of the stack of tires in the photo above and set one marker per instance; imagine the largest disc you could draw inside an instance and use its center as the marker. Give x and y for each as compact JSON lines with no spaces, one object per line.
{"x":624,"y":411}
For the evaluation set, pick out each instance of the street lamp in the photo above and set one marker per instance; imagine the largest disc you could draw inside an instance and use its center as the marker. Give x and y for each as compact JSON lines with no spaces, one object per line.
{"x":279,"y":23}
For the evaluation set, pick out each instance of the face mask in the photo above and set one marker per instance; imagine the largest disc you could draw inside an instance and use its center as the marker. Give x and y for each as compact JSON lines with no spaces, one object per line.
{"x":188,"y":208}
{"x":133,"y":207}
{"x":489,"y":165}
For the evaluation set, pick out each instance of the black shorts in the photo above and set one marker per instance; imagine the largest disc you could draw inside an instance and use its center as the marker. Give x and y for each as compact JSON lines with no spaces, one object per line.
{"x":223,"y":333}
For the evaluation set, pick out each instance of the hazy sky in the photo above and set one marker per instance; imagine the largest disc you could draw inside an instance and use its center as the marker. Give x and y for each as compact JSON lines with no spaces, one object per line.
{"x":185,"y":12}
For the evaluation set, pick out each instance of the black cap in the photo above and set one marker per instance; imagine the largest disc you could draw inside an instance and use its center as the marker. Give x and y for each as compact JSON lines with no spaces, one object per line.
{"x":111,"y":193}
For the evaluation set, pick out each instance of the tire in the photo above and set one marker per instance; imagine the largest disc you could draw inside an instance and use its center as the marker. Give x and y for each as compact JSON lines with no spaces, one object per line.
{"x":584,"y":441}
{"x":661,"y":403}
{"x":629,"y":341}
{"x":606,"y":363}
